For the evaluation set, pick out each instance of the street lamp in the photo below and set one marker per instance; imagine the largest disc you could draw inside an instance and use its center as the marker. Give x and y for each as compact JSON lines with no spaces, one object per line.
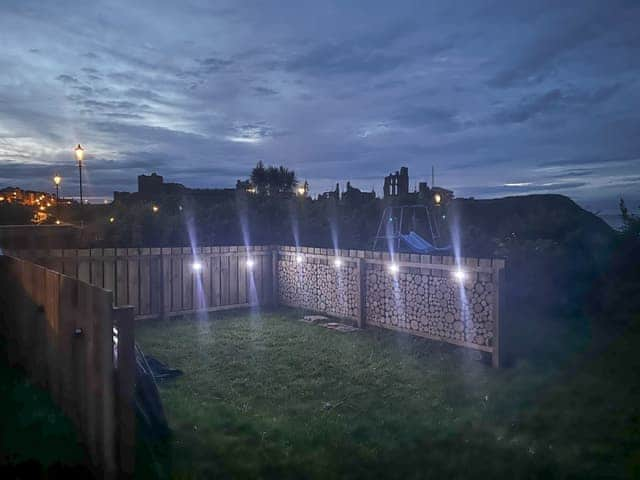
{"x":57,"y":179}
{"x":79,"y":156}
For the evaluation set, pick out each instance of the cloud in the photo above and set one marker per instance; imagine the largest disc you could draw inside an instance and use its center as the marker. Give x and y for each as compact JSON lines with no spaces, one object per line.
{"x":437,"y":118}
{"x":513,"y":92}
{"x":68,"y":79}
{"x":555,"y":101}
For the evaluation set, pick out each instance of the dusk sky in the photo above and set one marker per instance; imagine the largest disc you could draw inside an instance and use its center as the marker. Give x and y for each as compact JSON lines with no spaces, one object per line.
{"x":501,"y":97}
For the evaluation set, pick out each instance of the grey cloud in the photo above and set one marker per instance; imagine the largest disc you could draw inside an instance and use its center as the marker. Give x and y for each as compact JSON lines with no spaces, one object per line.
{"x":555,"y":100}
{"x":265,"y":91}
{"x":440,"y":119}
{"x":64,"y":78}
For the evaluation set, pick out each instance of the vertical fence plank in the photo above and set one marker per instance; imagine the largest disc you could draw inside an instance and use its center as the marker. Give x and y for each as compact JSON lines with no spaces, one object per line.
{"x":233,"y":279}
{"x":206,"y":277}
{"x":122,"y":277}
{"x":125,"y":390}
{"x":133,"y":278}
{"x":144,"y":281}
{"x":176,"y":279}
{"x":224,"y":280}
{"x":156,"y":287}
{"x":84,"y":265}
{"x":97,"y":267}
{"x":166,"y":280}
{"x":187,"y":279}
{"x":69,"y":262}
{"x":103,"y":385}
{"x":54,"y":344}
{"x":216,"y":288}
{"x":242,"y":278}
{"x":109,"y":270}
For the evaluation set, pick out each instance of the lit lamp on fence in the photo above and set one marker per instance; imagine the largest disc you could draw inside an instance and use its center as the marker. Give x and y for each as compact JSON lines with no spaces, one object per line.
{"x":394,"y":268}
{"x":196,"y":266}
{"x":299,"y":258}
{"x":459,"y":275}
{"x":437,"y":198}
{"x":250,"y":263}
{"x":337,"y":263}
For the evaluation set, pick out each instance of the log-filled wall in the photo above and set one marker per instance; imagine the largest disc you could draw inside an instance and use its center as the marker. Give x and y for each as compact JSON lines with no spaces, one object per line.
{"x":429,"y":296}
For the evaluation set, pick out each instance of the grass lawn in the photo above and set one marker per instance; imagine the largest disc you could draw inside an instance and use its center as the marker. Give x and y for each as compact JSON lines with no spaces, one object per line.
{"x":267,"y":396}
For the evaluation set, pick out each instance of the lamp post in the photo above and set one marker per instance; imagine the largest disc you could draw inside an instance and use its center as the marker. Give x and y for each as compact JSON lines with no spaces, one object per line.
{"x":79,"y":156}
{"x":57,"y":179}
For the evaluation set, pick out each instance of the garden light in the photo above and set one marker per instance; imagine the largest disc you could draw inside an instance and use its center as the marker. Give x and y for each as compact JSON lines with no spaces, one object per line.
{"x":394,"y":268}
{"x":250,"y":263}
{"x":460,"y":275}
{"x":337,"y":263}
{"x":196,"y":266}
{"x":112,"y":219}
{"x":299,"y":258}
{"x":155,"y":209}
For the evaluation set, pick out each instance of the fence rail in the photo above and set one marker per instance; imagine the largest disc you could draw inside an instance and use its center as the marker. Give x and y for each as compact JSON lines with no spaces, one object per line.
{"x":70,"y":339}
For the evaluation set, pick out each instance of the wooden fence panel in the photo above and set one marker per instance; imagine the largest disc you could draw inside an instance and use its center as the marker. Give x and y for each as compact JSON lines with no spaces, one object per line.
{"x":62,"y":332}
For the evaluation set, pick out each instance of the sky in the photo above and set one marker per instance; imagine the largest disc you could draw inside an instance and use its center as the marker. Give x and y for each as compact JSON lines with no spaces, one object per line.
{"x":502,"y":98}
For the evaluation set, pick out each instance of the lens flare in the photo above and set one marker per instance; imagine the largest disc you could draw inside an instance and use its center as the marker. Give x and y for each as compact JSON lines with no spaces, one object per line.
{"x":460,"y":275}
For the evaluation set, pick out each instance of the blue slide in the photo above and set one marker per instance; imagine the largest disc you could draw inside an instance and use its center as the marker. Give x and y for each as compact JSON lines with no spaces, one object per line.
{"x":420,"y":245}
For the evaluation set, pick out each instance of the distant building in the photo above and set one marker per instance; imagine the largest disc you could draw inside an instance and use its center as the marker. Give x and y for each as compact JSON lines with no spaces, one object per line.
{"x":355,"y":195}
{"x":153,"y":187}
{"x":396,"y":188}
{"x":331,"y":194}
{"x":397,"y":184}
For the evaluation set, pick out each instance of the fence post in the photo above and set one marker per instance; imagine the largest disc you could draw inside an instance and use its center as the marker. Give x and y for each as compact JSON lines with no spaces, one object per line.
{"x":274,"y":275}
{"x":362,"y":276}
{"x":498,"y":278}
{"x":125,"y":387}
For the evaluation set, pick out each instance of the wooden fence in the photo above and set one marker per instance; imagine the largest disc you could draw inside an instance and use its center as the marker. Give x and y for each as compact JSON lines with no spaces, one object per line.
{"x":170,"y":281}
{"x":416,"y":294}
{"x":70,"y":339}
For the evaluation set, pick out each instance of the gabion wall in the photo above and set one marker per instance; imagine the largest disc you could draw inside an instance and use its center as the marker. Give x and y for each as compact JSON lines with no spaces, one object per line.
{"x":421,"y":296}
{"x":438,"y":306}
{"x":316,"y":284}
